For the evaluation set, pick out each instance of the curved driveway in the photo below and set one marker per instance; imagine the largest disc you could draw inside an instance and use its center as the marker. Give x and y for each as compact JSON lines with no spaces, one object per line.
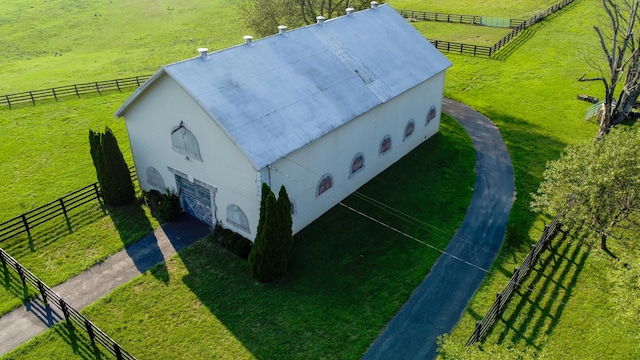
{"x":437,"y":304}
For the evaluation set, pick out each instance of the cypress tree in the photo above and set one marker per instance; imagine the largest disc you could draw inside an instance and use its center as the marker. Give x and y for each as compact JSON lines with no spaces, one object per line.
{"x":261,"y":259}
{"x":284,"y":237}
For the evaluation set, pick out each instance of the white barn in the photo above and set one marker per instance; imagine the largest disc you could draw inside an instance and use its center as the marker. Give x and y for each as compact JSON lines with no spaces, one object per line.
{"x":320,"y":109}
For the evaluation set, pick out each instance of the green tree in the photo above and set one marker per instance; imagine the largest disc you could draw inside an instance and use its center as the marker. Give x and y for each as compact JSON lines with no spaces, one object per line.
{"x":268,"y":257}
{"x":264,"y":16}
{"x":111,"y":169}
{"x":595,"y":185}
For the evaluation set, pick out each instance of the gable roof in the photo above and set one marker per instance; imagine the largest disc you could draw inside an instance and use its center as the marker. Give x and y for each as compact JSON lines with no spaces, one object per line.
{"x":280,"y":93}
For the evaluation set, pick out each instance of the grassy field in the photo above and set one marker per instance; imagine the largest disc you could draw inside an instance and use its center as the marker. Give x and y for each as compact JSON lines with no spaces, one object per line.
{"x":461,"y":33}
{"x":348,"y":276}
{"x":528,"y":90}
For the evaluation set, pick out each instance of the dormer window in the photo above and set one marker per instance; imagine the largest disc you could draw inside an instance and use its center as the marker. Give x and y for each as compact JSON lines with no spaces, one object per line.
{"x":184,"y":142}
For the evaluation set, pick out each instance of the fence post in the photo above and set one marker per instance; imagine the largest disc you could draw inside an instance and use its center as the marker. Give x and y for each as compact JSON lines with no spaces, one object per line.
{"x":32,"y":99}
{"x":98,"y":196}
{"x":8,"y":101}
{"x":65,"y":312}
{"x":92,"y":336}
{"x":43,"y":292}
{"x":118,"y":85}
{"x":499,"y":302}
{"x":24,"y":281}
{"x":117,"y":350}
{"x":98,"y":89}
{"x":26,"y":226}
{"x":76,"y":88}
{"x":138,"y":81}
{"x":516,"y":272}
{"x":3,"y":260}
{"x":53,"y":90}
{"x":66,"y":217}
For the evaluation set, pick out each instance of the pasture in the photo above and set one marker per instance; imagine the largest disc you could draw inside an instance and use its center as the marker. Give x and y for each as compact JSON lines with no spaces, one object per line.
{"x":528,"y":90}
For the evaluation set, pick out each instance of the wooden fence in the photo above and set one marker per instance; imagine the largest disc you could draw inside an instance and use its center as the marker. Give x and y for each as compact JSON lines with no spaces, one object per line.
{"x":72,"y":316}
{"x":523,"y":24}
{"x":25,"y":222}
{"x":441,"y":17}
{"x":71,"y":90}
{"x":519,"y":274}
{"x":516,"y":24}
{"x":460,"y":48}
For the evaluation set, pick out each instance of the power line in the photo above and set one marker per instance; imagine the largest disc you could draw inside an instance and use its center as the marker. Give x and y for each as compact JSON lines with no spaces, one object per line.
{"x":397,"y":213}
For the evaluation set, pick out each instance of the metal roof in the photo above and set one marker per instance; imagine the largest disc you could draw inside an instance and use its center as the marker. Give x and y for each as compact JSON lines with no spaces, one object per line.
{"x":275,"y":95}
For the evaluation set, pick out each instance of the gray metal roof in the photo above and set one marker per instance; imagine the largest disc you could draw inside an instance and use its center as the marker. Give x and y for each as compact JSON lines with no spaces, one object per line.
{"x":282,"y":92}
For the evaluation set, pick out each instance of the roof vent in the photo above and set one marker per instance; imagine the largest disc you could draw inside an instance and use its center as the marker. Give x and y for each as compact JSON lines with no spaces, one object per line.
{"x":248,"y":39}
{"x":203,"y":53}
{"x":374,"y":4}
{"x":349,"y":11}
{"x":282,"y":29}
{"x":320,"y":19}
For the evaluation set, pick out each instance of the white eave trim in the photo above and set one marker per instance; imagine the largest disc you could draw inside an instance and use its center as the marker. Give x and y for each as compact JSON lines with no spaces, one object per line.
{"x":120,"y":112}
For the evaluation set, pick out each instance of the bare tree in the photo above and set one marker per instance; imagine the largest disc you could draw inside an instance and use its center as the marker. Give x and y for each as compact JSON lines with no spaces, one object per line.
{"x":621,"y":46}
{"x":264,"y":16}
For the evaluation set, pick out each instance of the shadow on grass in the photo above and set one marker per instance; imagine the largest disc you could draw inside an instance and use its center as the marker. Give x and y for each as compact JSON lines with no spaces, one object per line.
{"x":47,"y":233}
{"x":348,"y":276}
{"x":79,"y":342}
{"x":525,"y":35}
{"x":540,"y":302}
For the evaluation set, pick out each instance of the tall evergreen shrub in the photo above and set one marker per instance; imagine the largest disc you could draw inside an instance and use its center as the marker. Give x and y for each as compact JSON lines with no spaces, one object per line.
{"x":268,"y":257}
{"x":111,"y":169}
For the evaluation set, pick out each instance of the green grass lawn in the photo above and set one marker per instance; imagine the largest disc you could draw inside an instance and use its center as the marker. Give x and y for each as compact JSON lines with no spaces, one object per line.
{"x":528,"y":90}
{"x":516,"y":9}
{"x":347,"y":276}
{"x":60,"y":42}
{"x":461,"y":33}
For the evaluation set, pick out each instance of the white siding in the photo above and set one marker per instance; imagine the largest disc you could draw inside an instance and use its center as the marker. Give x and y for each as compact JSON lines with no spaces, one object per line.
{"x":301,"y":170}
{"x":149,"y":123}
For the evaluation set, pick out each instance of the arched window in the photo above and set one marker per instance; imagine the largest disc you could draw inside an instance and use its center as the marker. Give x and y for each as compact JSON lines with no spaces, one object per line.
{"x":431,"y":115}
{"x":155,"y":179}
{"x":357,"y":164}
{"x":325,"y":183}
{"x":293,"y":206}
{"x":408,"y":130}
{"x":184,"y":142}
{"x":237,"y":218}
{"x":385,"y":145}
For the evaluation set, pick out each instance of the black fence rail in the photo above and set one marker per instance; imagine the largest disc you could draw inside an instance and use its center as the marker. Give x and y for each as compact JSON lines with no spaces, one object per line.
{"x":441,"y":17}
{"x":71,"y":315}
{"x":72,"y":90}
{"x":523,"y":24}
{"x":25,"y":222}
{"x":448,"y":46}
{"x":519,"y":274}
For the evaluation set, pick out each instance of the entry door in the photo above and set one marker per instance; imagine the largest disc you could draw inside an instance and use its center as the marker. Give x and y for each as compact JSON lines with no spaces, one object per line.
{"x":195,"y":199}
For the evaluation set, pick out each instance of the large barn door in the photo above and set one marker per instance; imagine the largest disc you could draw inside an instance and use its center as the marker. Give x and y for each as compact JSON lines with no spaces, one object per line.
{"x":195,"y":199}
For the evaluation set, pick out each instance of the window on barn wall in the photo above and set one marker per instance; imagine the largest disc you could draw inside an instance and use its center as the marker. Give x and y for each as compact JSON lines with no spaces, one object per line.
{"x":408,"y":130}
{"x":325,"y":183}
{"x":357,"y":164}
{"x":237,"y":217}
{"x":431,"y":115}
{"x":155,"y":179}
{"x":184,"y":142}
{"x":385,"y":145}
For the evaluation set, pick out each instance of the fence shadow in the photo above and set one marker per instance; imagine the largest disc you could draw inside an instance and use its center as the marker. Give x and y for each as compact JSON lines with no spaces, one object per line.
{"x":52,"y":231}
{"x":544,"y":295}
{"x":512,"y":46}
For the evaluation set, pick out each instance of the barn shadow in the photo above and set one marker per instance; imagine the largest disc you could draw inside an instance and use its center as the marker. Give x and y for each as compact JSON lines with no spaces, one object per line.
{"x":147,"y":246}
{"x":341,"y":265}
